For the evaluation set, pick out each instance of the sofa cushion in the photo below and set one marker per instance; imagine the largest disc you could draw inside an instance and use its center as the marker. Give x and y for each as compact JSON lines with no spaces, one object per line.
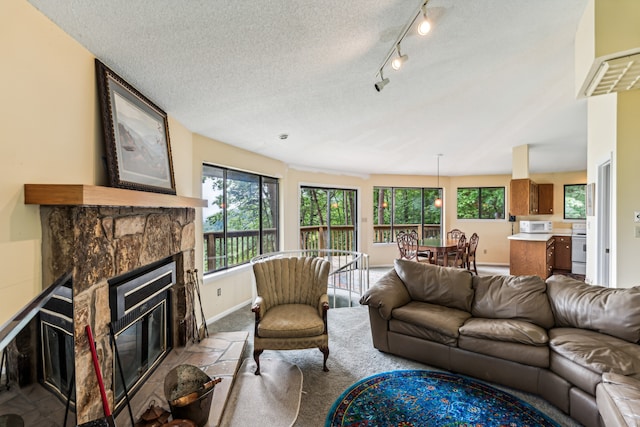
{"x":611,"y":311}
{"x":450,"y":287}
{"x":512,"y":297}
{"x":507,"y":330}
{"x":532,"y":355}
{"x":427,"y":318}
{"x":595,"y":351}
{"x":618,"y":399}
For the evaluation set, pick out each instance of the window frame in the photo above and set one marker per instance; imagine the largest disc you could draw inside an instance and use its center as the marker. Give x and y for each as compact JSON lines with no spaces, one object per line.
{"x":479,"y":203}
{"x":392,"y":209}
{"x":240,"y":252}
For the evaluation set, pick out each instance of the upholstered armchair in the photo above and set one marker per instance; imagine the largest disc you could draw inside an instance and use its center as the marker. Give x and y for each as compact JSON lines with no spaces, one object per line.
{"x":291,"y":305}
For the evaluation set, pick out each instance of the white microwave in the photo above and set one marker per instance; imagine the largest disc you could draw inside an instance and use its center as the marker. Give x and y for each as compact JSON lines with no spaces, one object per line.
{"x":536,"y":227}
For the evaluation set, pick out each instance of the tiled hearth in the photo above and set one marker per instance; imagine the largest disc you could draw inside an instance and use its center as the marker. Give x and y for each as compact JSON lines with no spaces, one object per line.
{"x":219,"y":356}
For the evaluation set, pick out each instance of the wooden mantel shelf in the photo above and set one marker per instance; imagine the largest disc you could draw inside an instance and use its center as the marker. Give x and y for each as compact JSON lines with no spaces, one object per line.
{"x":93,"y":195}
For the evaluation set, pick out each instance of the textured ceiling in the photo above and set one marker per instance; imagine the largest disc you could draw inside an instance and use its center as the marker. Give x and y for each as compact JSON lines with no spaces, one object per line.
{"x":491,"y":75}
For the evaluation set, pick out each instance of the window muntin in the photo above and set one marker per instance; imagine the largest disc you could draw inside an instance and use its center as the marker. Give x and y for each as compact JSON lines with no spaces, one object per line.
{"x":241,"y":220}
{"x":405,"y":209}
{"x":575,"y":201}
{"x":480,"y":203}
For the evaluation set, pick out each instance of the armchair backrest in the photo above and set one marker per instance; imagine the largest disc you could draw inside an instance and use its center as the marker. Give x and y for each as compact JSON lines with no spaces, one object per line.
{"x":301,"y":280}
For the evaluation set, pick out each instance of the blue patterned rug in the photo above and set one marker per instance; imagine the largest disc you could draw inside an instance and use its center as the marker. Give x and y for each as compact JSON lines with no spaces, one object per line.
{"x":413,"y":398}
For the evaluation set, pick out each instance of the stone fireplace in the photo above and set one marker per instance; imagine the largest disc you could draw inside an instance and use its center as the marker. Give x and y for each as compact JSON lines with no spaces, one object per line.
{"x":97,"y":244}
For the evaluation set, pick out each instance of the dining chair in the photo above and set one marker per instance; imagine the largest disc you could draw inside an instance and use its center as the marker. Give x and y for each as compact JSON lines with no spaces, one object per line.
{"x":460,"y":259}
{"x":454,"y":234}
{"x":425,"y":255}
{"x":471,"y":252}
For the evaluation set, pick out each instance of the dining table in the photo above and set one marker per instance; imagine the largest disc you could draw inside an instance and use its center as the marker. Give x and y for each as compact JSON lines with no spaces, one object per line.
{"x":438,"y":246}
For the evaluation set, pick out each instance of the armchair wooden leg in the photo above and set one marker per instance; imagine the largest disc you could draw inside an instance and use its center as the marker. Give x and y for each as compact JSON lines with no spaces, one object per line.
{"x":325,"y":351}
{"x":256,"y":357}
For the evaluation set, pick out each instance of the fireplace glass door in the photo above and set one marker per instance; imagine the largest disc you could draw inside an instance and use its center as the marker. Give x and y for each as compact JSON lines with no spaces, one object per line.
{"x":58,"y":359}
{"x":141,"y":346}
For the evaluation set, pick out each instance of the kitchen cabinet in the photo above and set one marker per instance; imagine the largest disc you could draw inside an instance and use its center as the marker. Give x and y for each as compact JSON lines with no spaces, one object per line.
{"x":545,"y":199}
{"x":532,"y":257}
{"x":530,"y":198}
{"x":523,"y":196}
{"x":562,"y":259}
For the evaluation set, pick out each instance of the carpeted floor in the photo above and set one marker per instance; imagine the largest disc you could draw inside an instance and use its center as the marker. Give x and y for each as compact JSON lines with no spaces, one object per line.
{"x":352,"y":358}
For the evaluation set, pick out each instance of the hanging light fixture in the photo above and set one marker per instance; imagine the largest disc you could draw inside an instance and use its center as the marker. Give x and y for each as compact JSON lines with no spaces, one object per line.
{"x":438,"y":202}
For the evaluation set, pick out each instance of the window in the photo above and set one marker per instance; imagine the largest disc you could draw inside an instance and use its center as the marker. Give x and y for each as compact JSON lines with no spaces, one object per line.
{"x":575,"y":206}
{"x":480,"y":203}
{"x":328,"y":218}
{"x":405,"y":209}
{"x":241,"y":220}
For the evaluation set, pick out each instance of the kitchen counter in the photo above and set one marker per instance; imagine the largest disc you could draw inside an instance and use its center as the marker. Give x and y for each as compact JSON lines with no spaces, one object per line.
{"x":533,"y":237}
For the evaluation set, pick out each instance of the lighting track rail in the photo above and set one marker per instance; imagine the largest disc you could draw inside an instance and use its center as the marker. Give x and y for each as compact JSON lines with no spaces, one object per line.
{"x":399,"y":58}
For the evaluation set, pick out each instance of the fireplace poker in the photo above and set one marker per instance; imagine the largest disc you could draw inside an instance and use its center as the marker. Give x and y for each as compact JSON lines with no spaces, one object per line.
{"x":197,"y":286}
{"x":122,"y":378}
{"x":96,"y":366}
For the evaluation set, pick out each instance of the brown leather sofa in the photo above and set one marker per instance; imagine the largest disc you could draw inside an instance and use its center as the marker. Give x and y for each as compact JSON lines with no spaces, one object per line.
{"x":555,"y":339}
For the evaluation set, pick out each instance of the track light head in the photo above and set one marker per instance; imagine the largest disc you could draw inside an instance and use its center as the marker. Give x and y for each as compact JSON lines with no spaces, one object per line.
{"x":397,"y":62}
{"x":425,"y":25}
{"x":382,"y":83}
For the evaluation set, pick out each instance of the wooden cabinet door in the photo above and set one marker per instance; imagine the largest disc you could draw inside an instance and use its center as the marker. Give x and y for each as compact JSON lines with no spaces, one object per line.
{"x":519,"y":200}
{"x":545,"y":199}
{"x":563,"y":253}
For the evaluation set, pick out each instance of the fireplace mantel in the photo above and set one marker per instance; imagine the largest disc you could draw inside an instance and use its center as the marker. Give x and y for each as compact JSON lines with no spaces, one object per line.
{"x":93,"y":195}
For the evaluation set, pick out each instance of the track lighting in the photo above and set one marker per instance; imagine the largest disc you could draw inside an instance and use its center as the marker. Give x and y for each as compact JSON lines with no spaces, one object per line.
{"x":394,"y":56}
{"x":382,"y":83}
{"x":397,"y":62}
{"x":425,"y":26}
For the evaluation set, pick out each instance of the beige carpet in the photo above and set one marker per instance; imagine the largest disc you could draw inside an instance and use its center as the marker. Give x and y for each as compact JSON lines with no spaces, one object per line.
{"x":271,"y":399}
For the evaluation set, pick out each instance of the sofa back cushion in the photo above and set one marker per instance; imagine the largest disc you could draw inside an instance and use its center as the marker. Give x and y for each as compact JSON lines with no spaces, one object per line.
{"x":450,"y":287}
{"x":512,"y":297}
{"x":611,"y":311}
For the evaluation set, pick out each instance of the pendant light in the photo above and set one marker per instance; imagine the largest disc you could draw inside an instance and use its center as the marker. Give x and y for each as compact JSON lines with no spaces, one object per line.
{"x":438,"y":202}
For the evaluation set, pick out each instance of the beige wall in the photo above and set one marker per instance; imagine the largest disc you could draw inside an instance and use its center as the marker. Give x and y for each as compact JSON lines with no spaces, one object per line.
{"x":627,"y":195}
{"x":51,"y":133}
{"x":608,"y":27}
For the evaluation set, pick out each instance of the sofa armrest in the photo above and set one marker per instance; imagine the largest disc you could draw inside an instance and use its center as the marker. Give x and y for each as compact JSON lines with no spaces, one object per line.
{"x":386,"y":294}
{"x":618,"y":400}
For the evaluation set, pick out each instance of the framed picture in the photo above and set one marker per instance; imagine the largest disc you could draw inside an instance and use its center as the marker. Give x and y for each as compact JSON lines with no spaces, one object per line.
{"x":136,"y":136}
{"x":590,"y":199}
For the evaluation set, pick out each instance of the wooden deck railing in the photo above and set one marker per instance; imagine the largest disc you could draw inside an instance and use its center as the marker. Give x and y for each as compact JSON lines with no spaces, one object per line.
{"x":384,"y":234}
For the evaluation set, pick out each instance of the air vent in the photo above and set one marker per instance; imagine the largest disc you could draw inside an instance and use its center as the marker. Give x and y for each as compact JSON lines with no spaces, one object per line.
{"x":614,"y":74}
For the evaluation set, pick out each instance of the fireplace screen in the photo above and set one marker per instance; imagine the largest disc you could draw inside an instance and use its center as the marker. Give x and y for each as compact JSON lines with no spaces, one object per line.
{"x":141,"y":318}
{"x":140,"y":347}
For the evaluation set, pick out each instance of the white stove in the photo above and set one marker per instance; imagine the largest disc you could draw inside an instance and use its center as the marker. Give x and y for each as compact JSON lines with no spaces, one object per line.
{"x":579,"y":248}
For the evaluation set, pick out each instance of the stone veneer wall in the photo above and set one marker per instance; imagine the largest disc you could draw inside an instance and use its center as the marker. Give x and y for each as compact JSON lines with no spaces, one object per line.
{"x":96,"y":244}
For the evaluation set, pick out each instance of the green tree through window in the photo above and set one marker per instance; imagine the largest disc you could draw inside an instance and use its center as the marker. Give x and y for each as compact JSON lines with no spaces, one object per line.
{"x":480,"y":203}
{"x":241,"y":220}
{"x":575,"y":201}
{"x":405,"y":209}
